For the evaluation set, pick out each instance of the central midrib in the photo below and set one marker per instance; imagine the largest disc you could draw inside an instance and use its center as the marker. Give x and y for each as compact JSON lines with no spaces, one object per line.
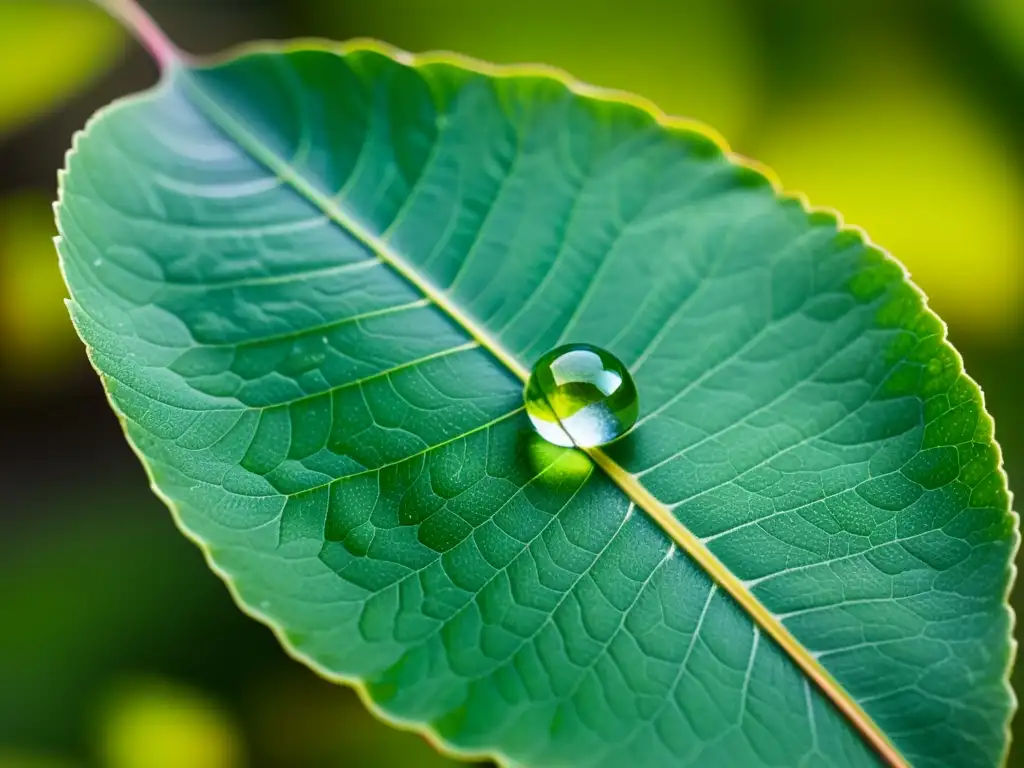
{"x":235,"y":129}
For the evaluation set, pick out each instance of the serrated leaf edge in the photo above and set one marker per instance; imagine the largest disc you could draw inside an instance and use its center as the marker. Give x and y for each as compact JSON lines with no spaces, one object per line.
{"x":661,"y":515}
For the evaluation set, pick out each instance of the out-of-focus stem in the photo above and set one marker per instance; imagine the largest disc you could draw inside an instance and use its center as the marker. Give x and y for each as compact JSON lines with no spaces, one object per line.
{"x":145,"y":30}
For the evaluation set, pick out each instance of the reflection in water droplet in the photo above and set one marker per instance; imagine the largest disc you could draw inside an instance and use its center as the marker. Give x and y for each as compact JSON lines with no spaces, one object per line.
{"x":581,"y":395}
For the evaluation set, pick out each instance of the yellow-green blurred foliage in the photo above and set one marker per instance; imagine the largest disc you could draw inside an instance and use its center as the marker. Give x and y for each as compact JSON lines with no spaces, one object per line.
{"x":299,"y":724}
{"x":1005,"y":20}
{"x":49,"y":49}
{"x":906,"y":156}
{"x":158,"y":724}
{"x":15,"y":759}
{"x":39,"y":341}
{"x":693,"y":58}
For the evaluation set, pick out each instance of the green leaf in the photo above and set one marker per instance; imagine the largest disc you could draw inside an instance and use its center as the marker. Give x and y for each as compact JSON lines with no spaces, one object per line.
{"x":312,"y":281}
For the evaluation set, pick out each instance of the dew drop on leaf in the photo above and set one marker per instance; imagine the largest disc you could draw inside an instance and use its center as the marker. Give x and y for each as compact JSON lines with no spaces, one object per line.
{"x":581,"y":395}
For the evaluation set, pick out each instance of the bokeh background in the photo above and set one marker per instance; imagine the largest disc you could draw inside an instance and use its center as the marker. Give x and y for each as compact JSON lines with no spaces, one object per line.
{"x":118,"y":647}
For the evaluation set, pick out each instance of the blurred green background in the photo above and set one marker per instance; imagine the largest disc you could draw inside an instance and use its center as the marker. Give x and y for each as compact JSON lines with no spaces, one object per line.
{"x":118,"y":648}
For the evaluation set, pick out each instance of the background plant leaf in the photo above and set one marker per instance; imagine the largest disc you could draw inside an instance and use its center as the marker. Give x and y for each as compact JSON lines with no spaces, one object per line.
{"x":360,"y":470}
{"x":895,"y":126}
{"x":37,"y":338}
{"x":38,"y":75}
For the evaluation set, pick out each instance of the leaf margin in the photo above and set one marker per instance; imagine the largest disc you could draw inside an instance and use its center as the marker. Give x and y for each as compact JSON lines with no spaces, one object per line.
{"x":687,"y":542}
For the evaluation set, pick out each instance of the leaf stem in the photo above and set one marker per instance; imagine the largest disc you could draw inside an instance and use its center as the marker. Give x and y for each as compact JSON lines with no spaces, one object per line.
{"x":145,"y":30}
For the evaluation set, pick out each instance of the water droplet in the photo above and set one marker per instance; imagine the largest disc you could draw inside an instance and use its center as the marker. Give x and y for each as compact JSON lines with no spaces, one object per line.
{"x":581,"y":395}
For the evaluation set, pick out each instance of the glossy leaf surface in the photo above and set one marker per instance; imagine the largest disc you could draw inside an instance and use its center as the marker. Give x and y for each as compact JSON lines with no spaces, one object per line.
{"x":291,"y":269}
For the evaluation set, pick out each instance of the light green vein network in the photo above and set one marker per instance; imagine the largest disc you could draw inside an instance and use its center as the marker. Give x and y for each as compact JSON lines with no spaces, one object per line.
{"x":360,"y":469}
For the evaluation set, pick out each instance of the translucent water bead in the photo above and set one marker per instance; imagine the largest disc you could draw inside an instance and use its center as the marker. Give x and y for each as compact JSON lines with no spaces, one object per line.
{"x":581,"y":395}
